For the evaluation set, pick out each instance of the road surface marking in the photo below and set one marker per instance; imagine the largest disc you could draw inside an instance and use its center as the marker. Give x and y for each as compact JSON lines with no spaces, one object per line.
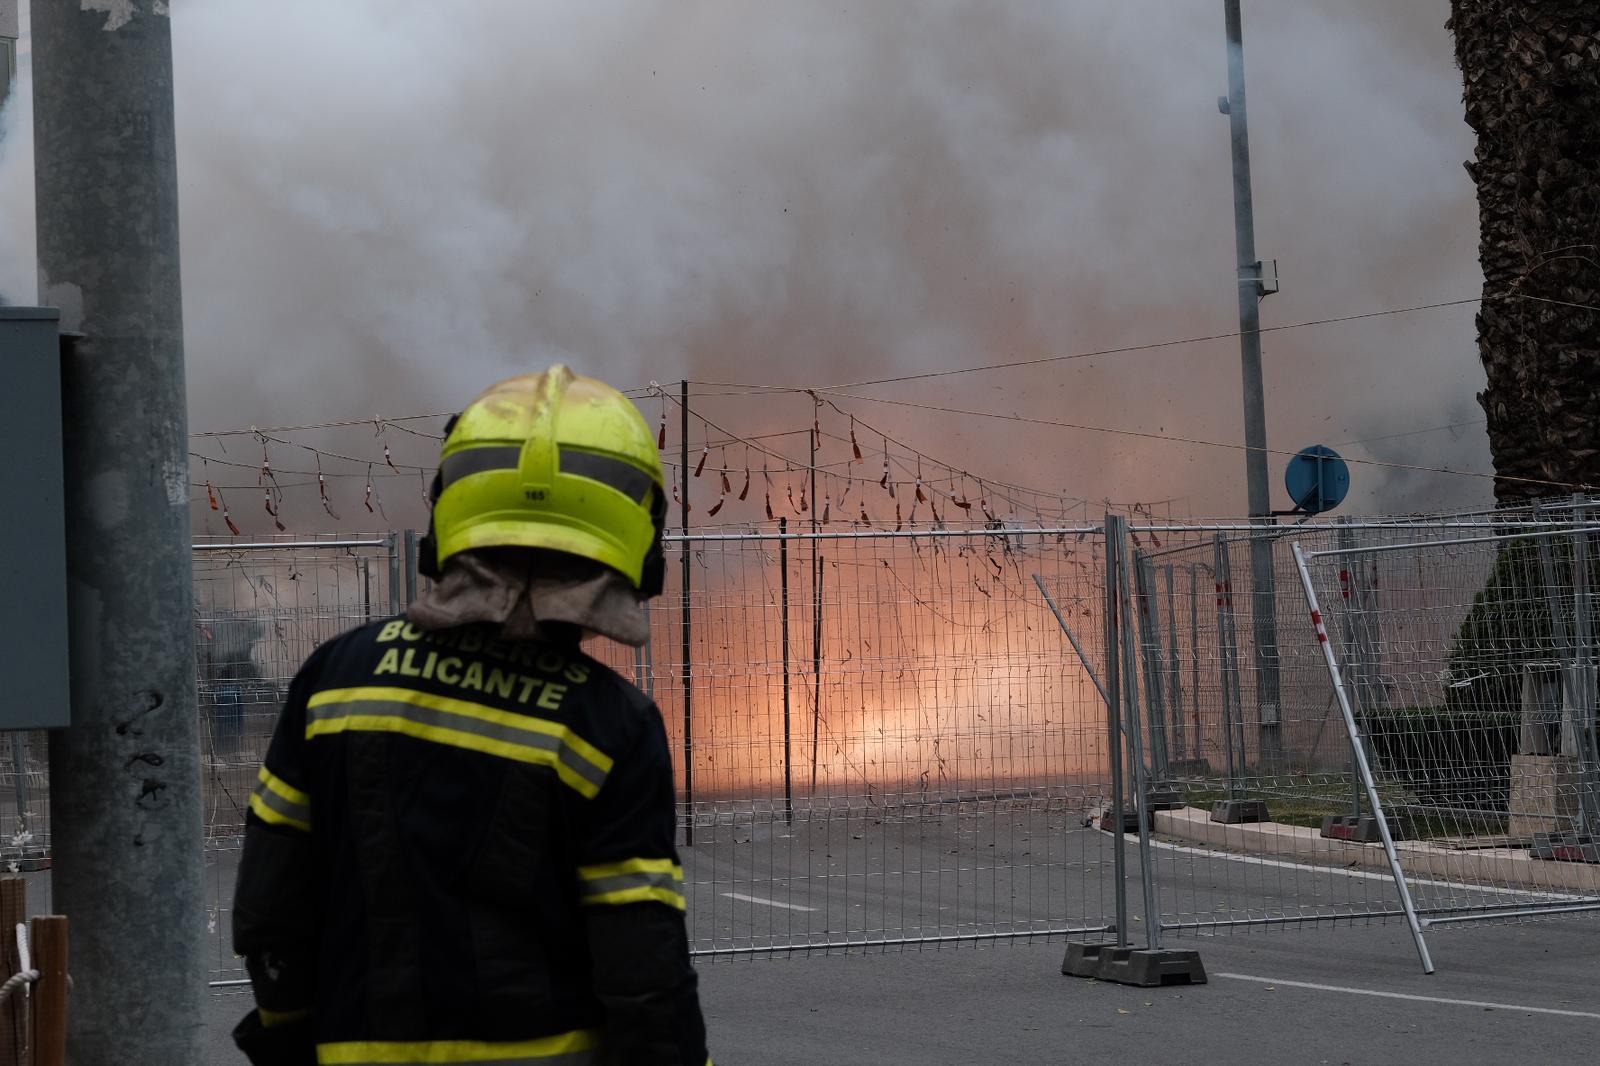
{"x":1369,"y":875}
{"x":1407,"y":996}
{"x":767,"y":902}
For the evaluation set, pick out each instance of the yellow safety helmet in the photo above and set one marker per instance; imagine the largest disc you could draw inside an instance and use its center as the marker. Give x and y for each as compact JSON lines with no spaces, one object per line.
{"x":554,"y":461}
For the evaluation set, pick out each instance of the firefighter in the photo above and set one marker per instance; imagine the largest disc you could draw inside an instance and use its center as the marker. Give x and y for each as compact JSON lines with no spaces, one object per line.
{"x":460,"y":847}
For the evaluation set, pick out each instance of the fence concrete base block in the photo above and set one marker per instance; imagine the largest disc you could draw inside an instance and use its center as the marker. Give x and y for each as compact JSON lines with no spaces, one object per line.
{"x":1162,"y":797}
{"x":1082,"y":960}
{"x":1130,"y":821}
{"x":1362,"y":829}
{"x":28,"y":861}
{"x":1151,"y":969}
{"x":1233,"y":812}
{"x":1566,"y":847}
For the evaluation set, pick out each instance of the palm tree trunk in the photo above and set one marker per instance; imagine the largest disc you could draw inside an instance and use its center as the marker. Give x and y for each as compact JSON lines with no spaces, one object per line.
{"x":1531,"y":72}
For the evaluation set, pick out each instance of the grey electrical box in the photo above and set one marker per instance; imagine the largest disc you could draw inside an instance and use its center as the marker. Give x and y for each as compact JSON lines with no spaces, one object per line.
{"x":8,"y":46}
{"x":33,"y":551}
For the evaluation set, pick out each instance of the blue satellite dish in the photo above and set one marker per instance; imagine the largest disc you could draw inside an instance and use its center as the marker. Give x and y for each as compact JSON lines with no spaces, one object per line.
{"x":1317,"y":479}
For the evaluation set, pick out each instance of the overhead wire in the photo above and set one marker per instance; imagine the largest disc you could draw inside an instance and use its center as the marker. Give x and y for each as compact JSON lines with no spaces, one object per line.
{"x":905,"y":456}
{"x":377,"y":421}
{"x":1098,"y":353}
{"x":1007,"y":491}
{"x":1414,"y":432}
{"x":1210,"y":443}
{"x":1004,"y":488}
{"x":639,"y":392}
{"x":285,"y":470}
{"x":744,"y":388}
{"x":792,"y":464}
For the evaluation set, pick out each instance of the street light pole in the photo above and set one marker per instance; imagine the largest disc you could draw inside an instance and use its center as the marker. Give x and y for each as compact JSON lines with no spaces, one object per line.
{"x":1263,"y":599}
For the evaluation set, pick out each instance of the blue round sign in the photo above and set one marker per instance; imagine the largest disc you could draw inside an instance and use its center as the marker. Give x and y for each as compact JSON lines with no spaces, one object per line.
{"x":1317,"y":479}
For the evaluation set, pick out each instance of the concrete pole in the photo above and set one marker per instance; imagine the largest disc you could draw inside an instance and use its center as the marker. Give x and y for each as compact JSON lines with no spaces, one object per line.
{"x":1263,"y":598}
{"x":125,"y":777}
{"x":8,"y":61}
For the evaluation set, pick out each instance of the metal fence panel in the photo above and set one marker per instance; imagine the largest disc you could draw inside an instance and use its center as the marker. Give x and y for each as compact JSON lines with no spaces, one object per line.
{"x":1201,"y":687}
{"x":881,"y":739}
{"x":1477,"y":709}
{"x":885,"y":739}
{"x":888,"y":740}
{"x":259,"y":611}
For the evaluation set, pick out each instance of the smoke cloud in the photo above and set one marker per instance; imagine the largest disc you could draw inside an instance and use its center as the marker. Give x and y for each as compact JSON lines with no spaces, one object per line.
{"x":387,"y":205}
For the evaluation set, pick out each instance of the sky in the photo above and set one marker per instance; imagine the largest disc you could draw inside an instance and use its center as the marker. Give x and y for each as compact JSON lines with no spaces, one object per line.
{"x":387,"y":205}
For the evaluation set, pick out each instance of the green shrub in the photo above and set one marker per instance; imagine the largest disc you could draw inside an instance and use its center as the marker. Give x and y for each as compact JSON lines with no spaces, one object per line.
{"x":1447,"y":757}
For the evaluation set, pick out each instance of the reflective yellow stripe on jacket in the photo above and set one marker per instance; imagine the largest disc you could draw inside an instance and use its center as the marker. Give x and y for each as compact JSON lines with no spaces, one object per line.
{"x":277,"y":802}
{"x":577,"y":1048}
{"x":461,"y":724}
{"x":632,"y":881}
{"x":270,"y":1018}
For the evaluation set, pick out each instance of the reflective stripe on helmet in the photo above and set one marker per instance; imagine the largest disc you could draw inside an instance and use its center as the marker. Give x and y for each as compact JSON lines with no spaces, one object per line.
{"x":622,"y":476}
{"x":615,"y":473}
{"x":471,"y":461}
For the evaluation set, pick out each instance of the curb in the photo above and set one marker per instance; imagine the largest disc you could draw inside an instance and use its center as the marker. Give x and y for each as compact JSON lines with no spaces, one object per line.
{"x":1513,"y":867}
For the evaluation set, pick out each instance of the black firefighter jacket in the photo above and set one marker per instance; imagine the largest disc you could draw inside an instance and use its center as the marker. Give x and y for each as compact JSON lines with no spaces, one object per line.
{"x":460,"y":850}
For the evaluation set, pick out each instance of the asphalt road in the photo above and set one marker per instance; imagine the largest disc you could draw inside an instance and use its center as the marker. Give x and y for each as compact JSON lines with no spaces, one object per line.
{"x":1009,"y":1004}
{"x":874,"y":875}
{"x":1347,"y":992}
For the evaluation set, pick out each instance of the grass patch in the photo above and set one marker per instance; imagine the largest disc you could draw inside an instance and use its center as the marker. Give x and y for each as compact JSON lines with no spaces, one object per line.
{"x":1308,"y":803}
